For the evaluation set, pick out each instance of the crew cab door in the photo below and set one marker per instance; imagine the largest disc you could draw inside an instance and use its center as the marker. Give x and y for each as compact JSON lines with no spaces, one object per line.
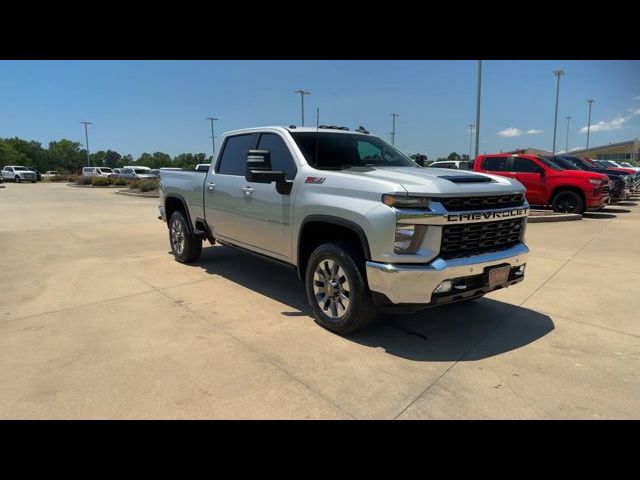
{"x":223,"y":195}
{"x":266,"y":214}
{"x":532,"y":176}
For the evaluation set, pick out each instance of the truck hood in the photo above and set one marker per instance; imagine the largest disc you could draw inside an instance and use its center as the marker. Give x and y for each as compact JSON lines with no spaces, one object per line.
{"x":441,"y":181}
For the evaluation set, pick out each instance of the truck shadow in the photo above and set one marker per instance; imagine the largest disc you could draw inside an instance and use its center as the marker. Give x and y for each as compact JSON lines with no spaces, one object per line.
{"x":598,"y":215}
{"x":458,"y":332}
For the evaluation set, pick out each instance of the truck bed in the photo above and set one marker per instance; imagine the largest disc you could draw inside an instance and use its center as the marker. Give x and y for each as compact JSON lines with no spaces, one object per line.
{"x":188,"y":184}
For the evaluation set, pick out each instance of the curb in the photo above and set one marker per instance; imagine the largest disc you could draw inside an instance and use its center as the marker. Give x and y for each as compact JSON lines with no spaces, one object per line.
{"x":91,"y":186}
{"x":134,"y":194}
{"x":550,"y":217}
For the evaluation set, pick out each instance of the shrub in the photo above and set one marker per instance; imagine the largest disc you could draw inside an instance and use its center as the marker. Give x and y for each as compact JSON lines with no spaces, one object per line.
{"x":82,"y":180}
{"x":149,"y":185}
{"x":60,"y":178}
{"x":118,"y":181}
{"x":100,"y":182}
{"x":134,"y":184}
{"x":71,"y":178}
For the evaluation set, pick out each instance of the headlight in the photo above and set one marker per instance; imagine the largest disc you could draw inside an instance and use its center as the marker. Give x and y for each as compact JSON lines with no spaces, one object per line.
{"x":404,"y":201}
{"x":596,"y":182}
{"x":404,"y":237}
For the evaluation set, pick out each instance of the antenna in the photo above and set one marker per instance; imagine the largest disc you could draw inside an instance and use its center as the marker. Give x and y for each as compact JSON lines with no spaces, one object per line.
{"x":317,"y":133}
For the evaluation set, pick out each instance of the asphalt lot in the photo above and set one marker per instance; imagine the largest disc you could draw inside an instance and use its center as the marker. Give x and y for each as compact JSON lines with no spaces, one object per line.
{"x":98,"y":321}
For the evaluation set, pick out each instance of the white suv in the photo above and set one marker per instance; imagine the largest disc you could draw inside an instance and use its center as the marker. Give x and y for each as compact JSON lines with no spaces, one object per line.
{"x":97,"y":172}
{"x":18,"y":174}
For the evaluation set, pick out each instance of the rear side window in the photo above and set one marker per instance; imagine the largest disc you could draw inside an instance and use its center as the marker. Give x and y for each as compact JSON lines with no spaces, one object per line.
{"x":281,"y":159}
{"x":525,"y":165}
{"x":495,"y":164}
{"x":234,"y":155}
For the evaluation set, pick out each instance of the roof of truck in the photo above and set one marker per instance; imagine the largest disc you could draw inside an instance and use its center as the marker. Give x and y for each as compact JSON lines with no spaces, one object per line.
{"x":294,"y":128}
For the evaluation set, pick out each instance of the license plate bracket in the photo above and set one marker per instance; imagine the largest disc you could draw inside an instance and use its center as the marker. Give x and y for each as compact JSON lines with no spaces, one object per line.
{"x":498,"y":275}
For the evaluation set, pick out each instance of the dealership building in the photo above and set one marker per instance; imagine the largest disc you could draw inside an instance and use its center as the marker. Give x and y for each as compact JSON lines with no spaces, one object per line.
{"x":621,"y":151}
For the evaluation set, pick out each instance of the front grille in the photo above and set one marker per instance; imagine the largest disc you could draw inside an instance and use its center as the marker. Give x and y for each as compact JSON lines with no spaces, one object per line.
{"x":458,"y":204}
{"x":475,"y":238}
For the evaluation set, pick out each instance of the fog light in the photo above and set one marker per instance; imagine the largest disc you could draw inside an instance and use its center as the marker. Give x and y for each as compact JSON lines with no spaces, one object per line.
{"x":519,"y":271}
{"x":443,"y":287}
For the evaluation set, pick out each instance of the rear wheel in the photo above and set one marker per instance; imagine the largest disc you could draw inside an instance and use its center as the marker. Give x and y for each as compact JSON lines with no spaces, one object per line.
{"x":567,"y":202}
{"x":186,"y":247}
{"x":337,"y":290}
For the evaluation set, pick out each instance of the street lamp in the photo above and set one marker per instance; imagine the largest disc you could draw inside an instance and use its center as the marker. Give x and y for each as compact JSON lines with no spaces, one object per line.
{"x":558,"y":74}
{"x":471,"y":125}
{"x":86,"y":138}
{"x":566,"y":147}
{"x":302,"y":94}
{"x":478,"y":107}
{"x":590,"y":102}
{"x":213,"y":138}
{"x":393,"y":127}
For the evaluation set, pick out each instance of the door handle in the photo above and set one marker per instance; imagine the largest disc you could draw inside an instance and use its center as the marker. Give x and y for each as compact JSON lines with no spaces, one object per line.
{"x":211,"y":185}
{"x":247,"y":191}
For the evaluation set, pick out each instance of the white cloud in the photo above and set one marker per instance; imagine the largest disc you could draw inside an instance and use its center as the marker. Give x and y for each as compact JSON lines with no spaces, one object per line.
{"x":575,"y":148}
{"x":533,"y":131}
{"x":510,"y":132}
{"x":603,"y":126}
{"x":637,"y":98}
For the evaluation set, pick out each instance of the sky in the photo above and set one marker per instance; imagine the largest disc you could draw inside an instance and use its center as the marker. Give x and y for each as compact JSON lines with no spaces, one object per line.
{"x":148,"y":106}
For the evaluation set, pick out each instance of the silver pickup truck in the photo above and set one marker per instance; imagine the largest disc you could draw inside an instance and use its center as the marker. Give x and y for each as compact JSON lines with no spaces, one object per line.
{"x":365,"y":227}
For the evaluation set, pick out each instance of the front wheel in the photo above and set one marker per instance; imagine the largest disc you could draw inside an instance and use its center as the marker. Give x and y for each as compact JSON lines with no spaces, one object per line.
{"x":17,"y":179}
{"x":186,"y":247}
{"x":567,"y":202}
{"x":337,"y":290}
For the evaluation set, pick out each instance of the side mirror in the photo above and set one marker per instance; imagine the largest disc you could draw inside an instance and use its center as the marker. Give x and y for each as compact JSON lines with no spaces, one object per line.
{"x":258,"y":170}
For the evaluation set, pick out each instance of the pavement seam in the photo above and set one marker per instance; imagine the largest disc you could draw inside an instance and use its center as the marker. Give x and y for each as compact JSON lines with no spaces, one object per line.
{"x":10,"y":320}
{"x":260,"y":353}
{"x":564,"y":316}
{"x":593,"y":237}
{"x":426,"y":390}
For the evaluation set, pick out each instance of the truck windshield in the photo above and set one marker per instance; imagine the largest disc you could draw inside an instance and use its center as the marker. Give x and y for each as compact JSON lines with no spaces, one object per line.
{"x":552,"y":165}
{"x":19,"y":169}
{"x":567,"y":164}
{"x":339,"y":151}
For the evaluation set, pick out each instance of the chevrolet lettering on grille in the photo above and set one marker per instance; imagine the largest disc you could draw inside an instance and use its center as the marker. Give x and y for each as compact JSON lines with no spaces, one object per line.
{"x":472,"y":216}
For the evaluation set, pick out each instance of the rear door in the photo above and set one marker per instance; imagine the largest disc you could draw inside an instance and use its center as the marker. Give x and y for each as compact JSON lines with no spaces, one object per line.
{"x":266,"y":214}
{"x":530,"y":174}
{"x":223,"y":195}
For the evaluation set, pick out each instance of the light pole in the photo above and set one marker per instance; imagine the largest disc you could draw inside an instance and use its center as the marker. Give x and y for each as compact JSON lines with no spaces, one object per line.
{"x":590,"y":102}
{"x":558,"y":74}
{"x":393,"y":127}
{"x":471,"y":125}
{"x":213,"y":138}
{"x":302,"y":94}
{"x":86,"y":138}
{"x":478,"y":107}
{"x":566,"y":147}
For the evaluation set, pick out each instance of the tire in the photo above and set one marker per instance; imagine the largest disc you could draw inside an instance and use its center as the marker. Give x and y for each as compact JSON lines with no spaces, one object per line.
{"x":186,"y":247}
{"x":17,"y":179}
{"x":567,"y":201}
{"x":337,"y":290}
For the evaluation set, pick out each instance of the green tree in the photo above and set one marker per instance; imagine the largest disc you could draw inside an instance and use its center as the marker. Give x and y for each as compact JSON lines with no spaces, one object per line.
{"x":453,"y":156}
{"x":67,"y":155}
{"x":9,"y":155}
{"x":157,"y":160}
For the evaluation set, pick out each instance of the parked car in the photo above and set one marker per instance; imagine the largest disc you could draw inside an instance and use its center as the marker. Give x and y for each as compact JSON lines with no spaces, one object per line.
{"x":457,"y":164}
{"x":548,"y":184}
{"x":117,"y":170}
{"x":18,"y":174}
{"x":364,"y":226}
{"x":37,"y":172}
{"x":621,"y":182}
{"x":136,"y":173}
{"x":635,"y":176}
{"x":628,"y":165}
{"x":50,"y":173}
{"x":97,"y":172}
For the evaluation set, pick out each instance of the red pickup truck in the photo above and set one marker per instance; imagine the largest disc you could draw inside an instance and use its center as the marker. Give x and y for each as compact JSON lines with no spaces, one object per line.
{"x":548,"y":184}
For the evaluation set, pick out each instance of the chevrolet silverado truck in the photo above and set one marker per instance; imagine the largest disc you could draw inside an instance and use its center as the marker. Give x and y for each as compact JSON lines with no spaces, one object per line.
{"x":547,"y":183}
{"x":365,"y":227}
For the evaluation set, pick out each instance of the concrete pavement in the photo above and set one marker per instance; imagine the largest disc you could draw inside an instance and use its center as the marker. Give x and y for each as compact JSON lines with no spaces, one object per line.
{"x":98,"y":321}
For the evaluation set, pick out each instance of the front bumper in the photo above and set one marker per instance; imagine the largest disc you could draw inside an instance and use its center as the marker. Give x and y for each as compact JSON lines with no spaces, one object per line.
{"x":414,"y":284}
{"x":162,"y":215}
